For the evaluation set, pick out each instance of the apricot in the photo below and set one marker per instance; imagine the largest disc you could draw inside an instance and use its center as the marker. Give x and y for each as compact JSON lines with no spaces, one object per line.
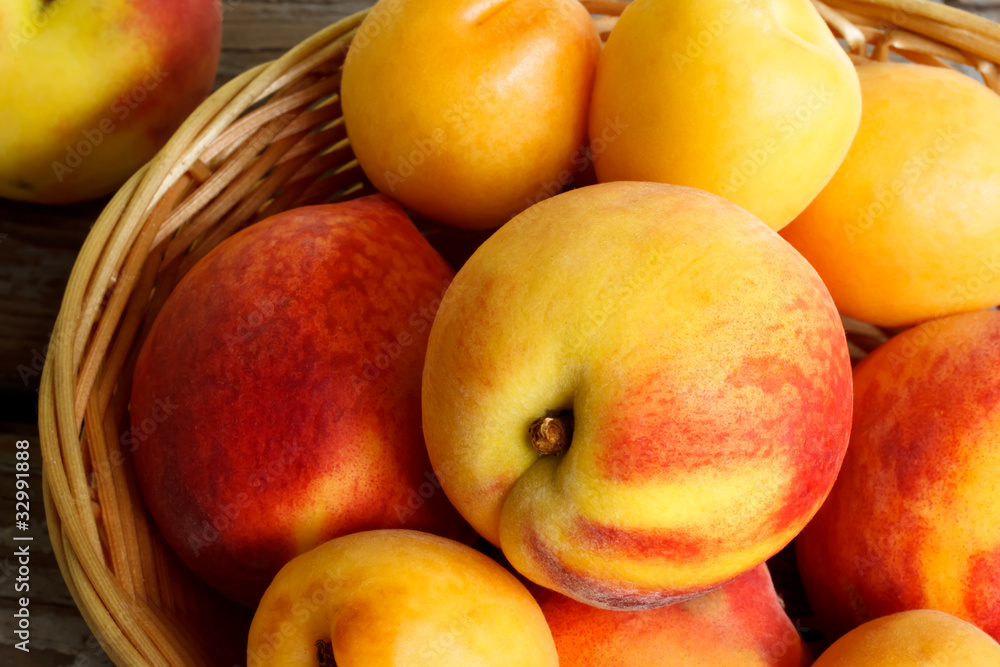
{"x":908,"y":229}
{"x":918,"y":638}
{"x":398,"y":598}
{"x":468,"y":112}
{"x":752,"y":101}
{"x":911,"y":522}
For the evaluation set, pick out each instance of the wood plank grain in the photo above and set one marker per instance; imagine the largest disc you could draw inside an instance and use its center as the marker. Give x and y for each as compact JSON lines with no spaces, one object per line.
{"x":257,"y":32}
{"x":256,"y":26}
{"x":67,"y":641}
{"x":38,"y":246}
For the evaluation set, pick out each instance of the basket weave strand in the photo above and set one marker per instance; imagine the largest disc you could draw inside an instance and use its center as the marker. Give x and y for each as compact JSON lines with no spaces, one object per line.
{"x":269,"y":140}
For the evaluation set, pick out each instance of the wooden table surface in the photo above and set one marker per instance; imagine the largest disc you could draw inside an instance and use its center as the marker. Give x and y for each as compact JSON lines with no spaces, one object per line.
{"x":38,"y":246}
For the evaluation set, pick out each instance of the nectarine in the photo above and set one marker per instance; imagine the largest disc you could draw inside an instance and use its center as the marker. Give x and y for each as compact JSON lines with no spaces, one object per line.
{"x":92,"y":89}
{"x":912,"y":520}
{"x":640,"y":391}
{"x":741,"y":623}
{"x":290,"y":357}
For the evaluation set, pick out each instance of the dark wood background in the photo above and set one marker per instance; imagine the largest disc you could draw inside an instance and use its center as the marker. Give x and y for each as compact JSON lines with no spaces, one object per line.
{"x":38,"y":246}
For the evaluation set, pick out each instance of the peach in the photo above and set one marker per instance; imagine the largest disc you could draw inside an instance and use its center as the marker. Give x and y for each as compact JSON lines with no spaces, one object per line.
{"x":276,"y":400}
{"x":741,"y":623}
{"x":918,"y":638}
{"x":912,"y":520}
{"x":908,"y":228}
{"x":754,"y":101}
{"x":468,"y":112}
{"x":397,"y":598}
{"x":638,"y":391}
{"x":92,"y":89}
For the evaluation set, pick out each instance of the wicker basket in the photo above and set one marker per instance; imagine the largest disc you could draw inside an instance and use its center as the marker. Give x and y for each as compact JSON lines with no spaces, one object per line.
{"x":269,"y":140}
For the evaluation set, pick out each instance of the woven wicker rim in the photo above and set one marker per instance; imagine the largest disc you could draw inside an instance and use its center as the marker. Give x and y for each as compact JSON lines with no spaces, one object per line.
{"x":269,"y":140}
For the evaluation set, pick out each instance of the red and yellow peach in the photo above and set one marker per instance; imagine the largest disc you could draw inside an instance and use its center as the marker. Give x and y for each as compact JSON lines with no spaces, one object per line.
{"x":741,"y":623}
{"x":707,"y":374}
{"x":912,"y":520}
{"x":291,"y":355}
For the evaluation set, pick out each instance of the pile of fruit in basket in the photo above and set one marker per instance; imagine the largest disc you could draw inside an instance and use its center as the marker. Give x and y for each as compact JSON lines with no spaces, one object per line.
{"x":637,"y":389}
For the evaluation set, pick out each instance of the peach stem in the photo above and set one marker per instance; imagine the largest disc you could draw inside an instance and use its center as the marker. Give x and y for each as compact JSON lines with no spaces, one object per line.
{"x":552,"y":433}
{"x":324,"y":654}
